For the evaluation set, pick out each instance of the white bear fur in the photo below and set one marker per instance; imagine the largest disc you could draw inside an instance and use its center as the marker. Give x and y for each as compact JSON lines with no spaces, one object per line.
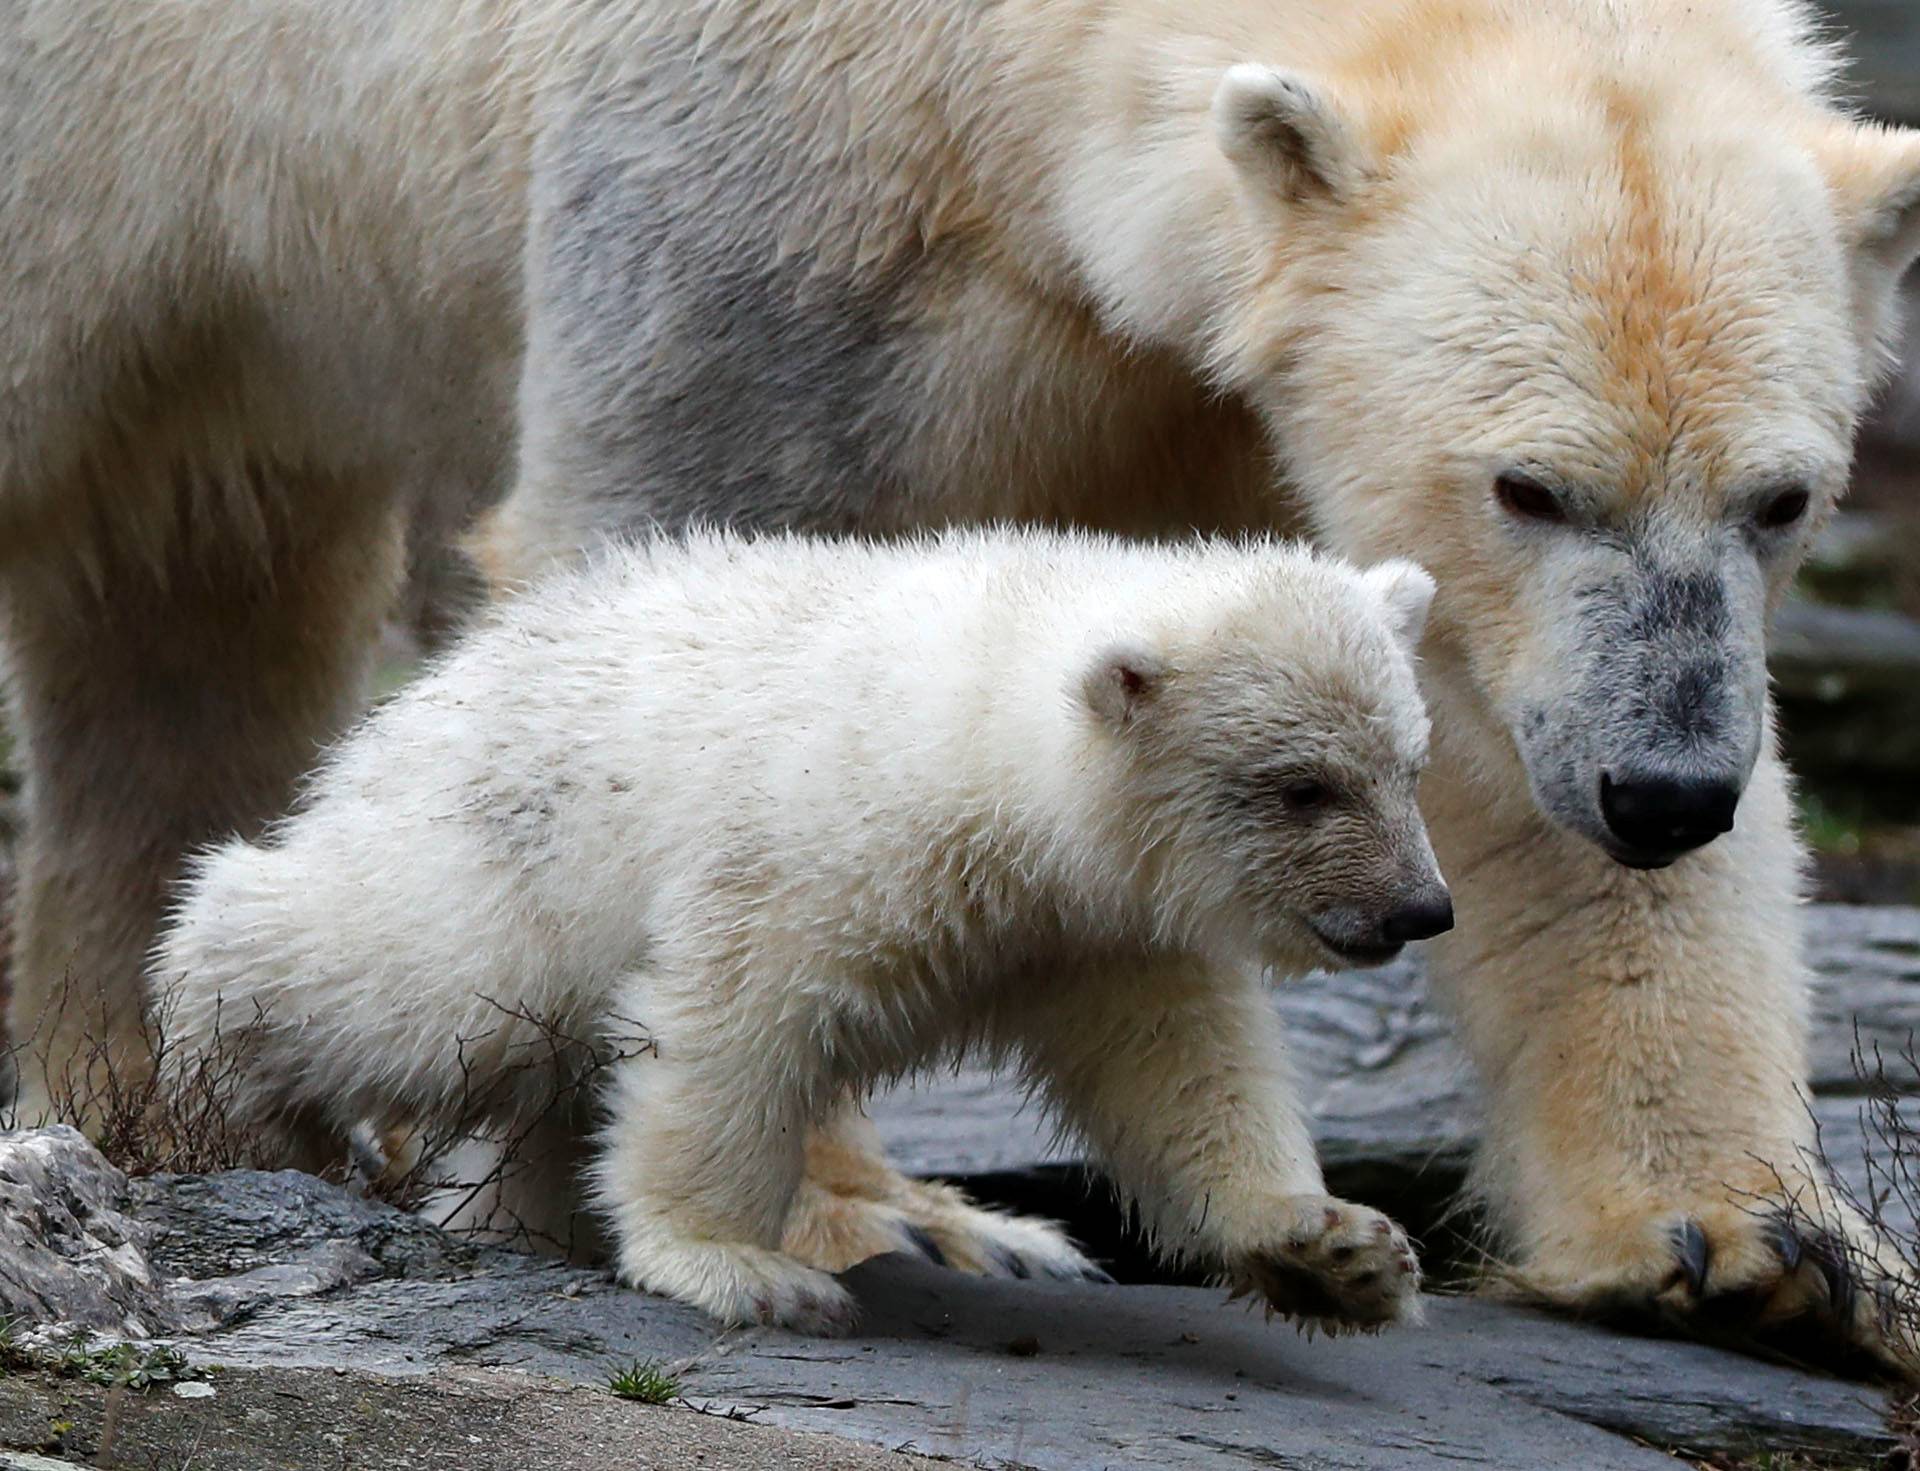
{"x":808,"y":816}
{"x":287,"y":274}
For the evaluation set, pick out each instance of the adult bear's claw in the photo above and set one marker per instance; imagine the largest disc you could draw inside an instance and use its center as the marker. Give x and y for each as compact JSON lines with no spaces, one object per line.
{"x":1830,"y":1257}
{"x":1691,"y":1253}
{"x":1787,"y":1242}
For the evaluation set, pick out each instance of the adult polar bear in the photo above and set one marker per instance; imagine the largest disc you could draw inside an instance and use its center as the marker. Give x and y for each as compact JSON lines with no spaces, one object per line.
{"x":1574,"y":301}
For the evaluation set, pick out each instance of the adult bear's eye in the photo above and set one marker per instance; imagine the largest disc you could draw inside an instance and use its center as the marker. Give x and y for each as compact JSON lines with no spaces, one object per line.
{"x":1306,"y":796}
{"x":1785,"y":508}
{"x":1523,"y":496}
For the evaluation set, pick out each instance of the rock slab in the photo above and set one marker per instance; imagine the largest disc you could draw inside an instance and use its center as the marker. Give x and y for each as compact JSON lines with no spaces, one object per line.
{"x":69,"y":1253}
{"x":281,"y":1271}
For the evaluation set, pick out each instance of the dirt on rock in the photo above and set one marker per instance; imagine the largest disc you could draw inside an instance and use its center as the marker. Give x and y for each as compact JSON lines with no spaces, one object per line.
{"x":326,"y":1420}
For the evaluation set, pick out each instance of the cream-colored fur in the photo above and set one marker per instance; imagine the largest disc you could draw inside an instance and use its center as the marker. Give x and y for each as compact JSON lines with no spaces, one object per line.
{"x":800,"y":817}
{"x":284,"y":272}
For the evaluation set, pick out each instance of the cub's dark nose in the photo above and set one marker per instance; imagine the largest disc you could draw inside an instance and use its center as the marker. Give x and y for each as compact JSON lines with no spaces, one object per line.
{"x":1425,"y":917}
{"x":1658,"y":816}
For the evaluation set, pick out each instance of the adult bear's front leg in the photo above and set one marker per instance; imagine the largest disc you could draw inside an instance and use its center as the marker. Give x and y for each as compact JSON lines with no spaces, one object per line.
{"x":1642,"y":1040}
{"x":165,"y":696}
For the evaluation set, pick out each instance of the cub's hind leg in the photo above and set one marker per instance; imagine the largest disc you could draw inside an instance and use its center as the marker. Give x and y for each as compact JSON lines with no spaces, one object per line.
{"x":526,"y":1189}
{"x":852,"y":1204}
{"x":704,"y":1150}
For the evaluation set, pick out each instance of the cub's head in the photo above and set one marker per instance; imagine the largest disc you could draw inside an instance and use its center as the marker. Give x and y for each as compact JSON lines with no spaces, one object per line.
{"x":1579,"y":306}
{"x":1269,"y":737}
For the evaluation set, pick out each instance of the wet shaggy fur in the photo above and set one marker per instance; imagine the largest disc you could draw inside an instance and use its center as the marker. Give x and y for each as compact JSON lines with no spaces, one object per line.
{"x":284,"y":274}
{"x":807,"y":816}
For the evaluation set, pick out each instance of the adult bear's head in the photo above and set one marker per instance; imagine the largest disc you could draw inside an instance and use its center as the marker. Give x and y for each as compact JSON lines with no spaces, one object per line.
{"x":1582,"y":319}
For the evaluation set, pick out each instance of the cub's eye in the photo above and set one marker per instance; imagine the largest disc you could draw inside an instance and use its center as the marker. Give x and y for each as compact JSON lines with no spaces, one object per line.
{"x":1784,"y":509}
{"x":1524,"y":497}
{"x":1306,"y":796}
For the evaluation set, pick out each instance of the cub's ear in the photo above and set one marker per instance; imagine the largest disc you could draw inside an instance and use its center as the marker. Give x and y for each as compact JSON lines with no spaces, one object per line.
{"x":1874,"y":173}
{"x":1123,"y":682}
{"x":1405,"y":590}
{"x":1285,"y":135}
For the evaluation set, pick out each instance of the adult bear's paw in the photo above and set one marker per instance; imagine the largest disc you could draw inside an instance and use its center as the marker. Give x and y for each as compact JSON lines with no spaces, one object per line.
{"x":1332,"y":1267}
{"x":1777,"y":1270}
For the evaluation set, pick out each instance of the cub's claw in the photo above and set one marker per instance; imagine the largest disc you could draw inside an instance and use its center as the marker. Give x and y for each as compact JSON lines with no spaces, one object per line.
{"x":1749,"y":1301}
{"x":1023,"y":1265}
{"x":922,"y":1241}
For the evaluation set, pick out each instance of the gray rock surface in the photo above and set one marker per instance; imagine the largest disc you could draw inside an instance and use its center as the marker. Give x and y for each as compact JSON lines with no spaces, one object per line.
{"x":68,"y":1251}
{"x":281,"y":1272}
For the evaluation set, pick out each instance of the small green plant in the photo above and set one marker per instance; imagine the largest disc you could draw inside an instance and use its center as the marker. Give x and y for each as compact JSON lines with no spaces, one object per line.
{"x":645,"y":1381}
{"x":134,"y":1365}
{"x":137,"y":1366}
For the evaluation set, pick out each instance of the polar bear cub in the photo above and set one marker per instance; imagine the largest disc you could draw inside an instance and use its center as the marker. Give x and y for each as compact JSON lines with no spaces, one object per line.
{"x":807,"y":815}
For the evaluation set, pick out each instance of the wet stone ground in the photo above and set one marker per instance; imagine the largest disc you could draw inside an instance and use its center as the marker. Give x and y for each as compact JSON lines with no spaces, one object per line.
{"x":347,"y":1334}
{"x":279,"y":1272}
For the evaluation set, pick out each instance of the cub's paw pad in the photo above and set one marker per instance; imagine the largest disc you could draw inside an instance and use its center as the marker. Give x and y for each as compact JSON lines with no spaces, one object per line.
{"x":1333,"y":1267}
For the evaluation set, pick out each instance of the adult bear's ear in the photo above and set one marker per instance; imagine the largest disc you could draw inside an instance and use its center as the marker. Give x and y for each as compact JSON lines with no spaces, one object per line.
{"x":1405,"y":590}
{"x":1287,"y":135}
{"x":1122,"y":682}
{"x":1874,"y":173}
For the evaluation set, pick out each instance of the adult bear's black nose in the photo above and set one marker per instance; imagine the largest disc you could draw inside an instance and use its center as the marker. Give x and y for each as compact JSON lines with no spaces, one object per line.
{"x":1421,"y":919}
{"x":1657,"y":816}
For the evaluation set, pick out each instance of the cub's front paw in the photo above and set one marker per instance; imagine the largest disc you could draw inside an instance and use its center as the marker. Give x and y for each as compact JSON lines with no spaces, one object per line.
{"x":1331,"y":1266}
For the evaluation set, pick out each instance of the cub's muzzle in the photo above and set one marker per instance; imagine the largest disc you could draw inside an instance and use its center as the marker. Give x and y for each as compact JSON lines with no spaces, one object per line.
{"x":1358,"y":938}
{"x":1420,"y":919}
